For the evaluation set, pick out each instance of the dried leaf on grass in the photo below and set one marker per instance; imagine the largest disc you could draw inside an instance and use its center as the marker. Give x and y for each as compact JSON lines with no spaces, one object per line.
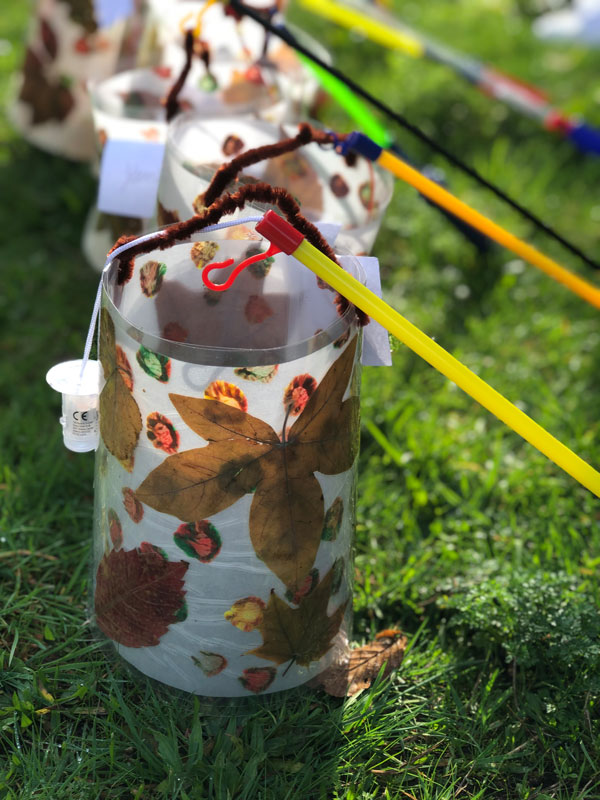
{"x":363,"y":665}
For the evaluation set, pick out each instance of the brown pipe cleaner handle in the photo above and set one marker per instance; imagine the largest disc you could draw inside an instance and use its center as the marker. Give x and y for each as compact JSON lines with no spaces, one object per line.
{"x":227,"y":204}
{"x":229,"y":171}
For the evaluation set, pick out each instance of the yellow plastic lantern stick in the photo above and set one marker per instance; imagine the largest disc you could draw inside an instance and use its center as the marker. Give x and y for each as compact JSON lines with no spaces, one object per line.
{"x":290,"y":241}
{"x":367,"y":148}
{"x":393,"y":38}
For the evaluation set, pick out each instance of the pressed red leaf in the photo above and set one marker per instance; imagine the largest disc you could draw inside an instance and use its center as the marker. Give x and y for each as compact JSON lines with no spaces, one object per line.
{"x":257,"y":309}
{"x":162,"y":434}
{"x":308,"y":584}
{"x":298,"y":392}
{"x":199,"y":540}
{"x":115,"y":529}
{"x":232,"y":145}
{"x":175,"y":332}
{"x":48,"y":38}
{"x":133,"y":506}
{"x":139,"y":594}
{"x":257,"y":679}
{"x":338,"y":186}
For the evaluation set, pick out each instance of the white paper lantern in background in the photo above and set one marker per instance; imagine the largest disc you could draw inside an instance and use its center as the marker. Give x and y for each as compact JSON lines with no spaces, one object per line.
{"x":225,"y":477}
{"x":65,"y":49}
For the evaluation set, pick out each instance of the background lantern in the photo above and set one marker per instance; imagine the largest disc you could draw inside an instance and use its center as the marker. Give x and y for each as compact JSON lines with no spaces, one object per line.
{"x":326,"y":187}
{"x":129,"y":107}
{"x":66,"y":48}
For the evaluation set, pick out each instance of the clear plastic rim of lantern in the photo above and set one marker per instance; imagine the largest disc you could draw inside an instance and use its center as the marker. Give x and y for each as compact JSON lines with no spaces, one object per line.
{"x":206,"y":172}
{"x":102,"y":100}
{"x":214,"y":355}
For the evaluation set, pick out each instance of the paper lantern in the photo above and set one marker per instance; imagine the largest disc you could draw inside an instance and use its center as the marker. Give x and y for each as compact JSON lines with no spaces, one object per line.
{"x":65,"y":49}
{"x":128,"y":107}
{"x":225,"y":475}
{"x":327,"y":189}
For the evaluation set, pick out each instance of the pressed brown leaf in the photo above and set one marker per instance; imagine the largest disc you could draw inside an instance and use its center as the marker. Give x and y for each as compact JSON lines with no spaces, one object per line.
{"x":324,"y":403}
{"x":245,"y":454}
{"x":333,"y":447}
{"x":49,"y":99}
{"x":216,"y":421}
{"x":49,"y":39}
{"x":139,"y":593}
{"x":303,"y":634}
{"x":363,"y":665}
{"x":292,"y":505}
{"x":199,"y":483}
{"x":295,"y":172}
{"x":120,"y":418}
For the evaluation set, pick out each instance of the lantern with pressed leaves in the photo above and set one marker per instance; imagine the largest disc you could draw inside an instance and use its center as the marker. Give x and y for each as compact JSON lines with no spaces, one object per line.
{"x":351,"y":196}
{"x":226,"y":469}
{"x":66,"y":47}
{"x":132,"y":109}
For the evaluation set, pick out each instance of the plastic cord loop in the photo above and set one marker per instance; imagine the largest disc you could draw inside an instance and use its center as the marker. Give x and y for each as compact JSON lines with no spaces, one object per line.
{"x":222,"y":287}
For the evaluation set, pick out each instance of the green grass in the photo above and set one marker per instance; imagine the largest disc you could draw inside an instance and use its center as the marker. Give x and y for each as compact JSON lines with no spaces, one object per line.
{"x":481,"y":550}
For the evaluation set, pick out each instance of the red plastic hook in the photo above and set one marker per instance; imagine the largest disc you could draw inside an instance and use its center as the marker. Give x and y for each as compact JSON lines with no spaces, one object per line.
{"x":221,"y":287}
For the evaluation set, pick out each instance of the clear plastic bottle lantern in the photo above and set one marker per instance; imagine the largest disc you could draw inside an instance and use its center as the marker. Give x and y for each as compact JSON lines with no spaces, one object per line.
{"x":229,"y":39}
{"x":225,"y":474}
{"x":327,"y":189}
{"x":129,"y":107}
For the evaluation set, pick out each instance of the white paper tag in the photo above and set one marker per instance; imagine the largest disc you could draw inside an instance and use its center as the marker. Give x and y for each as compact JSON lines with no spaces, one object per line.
{"x":376,"y":342}
{"x":109,"y":11}
{"x":329,"y":231}
{"x":129,"y":176}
